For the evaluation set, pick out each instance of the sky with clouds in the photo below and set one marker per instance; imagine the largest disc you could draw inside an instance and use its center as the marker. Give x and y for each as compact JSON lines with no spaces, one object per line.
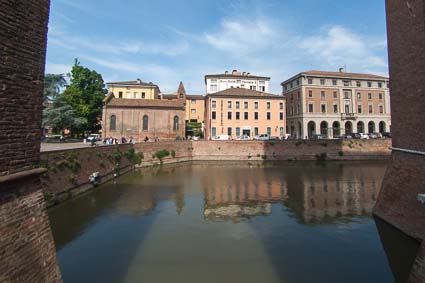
{"x":168,"y":41}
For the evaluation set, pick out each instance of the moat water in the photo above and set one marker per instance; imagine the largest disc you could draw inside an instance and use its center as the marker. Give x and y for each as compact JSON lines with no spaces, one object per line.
{"x":227,"y":222}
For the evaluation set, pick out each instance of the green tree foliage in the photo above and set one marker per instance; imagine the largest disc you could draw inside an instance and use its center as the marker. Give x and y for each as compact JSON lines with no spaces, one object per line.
{"x":85,"y":94}
{"x":53,"y":84}
{"x":62,"y":116}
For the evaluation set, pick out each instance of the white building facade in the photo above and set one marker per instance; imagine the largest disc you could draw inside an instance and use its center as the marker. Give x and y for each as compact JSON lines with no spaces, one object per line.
{"x":235,"y":79}
{"x":336,"y":103}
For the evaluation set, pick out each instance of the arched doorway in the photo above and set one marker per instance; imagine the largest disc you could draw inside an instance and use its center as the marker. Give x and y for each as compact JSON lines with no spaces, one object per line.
{"x":371,"y":127}
{"x":348,"y":127}
{"x":311,"y":129}
{"x":336,"y":127}
{"x":360,"y":127}
{"x":324,"y":128}
{"x":382,"y":127}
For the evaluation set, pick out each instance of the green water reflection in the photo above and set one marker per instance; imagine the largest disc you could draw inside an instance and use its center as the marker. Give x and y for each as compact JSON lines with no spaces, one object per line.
{"x":231,"y":222}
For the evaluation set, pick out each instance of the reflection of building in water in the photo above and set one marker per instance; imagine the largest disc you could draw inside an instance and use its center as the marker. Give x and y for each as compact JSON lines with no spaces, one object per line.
{"x":245,"y":195}
{"x":346,"y":191}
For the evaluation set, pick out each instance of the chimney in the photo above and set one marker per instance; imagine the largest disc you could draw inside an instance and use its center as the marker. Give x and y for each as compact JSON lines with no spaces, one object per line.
{"x":341,"y":70}
{"x":243,"y":73}
{"x":226,"y":72}
{"x":139,"y":81}
{"x":248,"y":74}
{"x":234,"y":72}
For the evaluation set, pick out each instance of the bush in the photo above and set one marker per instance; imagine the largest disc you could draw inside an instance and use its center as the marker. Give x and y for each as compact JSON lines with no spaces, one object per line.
{"x":72,"y":162}
{"x":173,"y":154}
{"x":340,"y":153}
{"x":72,"y":179}
{"x":321,"y":157}
{"x":135,"y":158}
{"x":160,"y":154}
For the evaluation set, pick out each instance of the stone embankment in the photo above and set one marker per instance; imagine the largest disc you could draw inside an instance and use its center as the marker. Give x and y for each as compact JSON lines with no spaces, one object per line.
{"x":68,"y":171}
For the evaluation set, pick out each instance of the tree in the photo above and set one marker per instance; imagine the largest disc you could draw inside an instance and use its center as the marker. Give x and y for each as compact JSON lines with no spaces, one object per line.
{"x":85,"y":94}
{"x":62,"y":116}
{"x":53,"y":84}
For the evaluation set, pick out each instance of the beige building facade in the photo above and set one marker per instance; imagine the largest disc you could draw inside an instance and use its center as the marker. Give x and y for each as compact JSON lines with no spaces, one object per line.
{"x":336,"y":103}
{"x":195,"y":108}
{"x":236,"y":111}
{"x":134,"y":89}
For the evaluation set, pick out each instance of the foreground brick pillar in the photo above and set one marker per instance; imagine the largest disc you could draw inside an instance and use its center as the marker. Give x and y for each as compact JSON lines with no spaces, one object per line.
{"x":27,"y":251}
{"x":405,"y":178}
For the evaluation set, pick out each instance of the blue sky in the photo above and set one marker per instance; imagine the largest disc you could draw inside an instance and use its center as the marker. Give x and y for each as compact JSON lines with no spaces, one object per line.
{"x":166,"y":42}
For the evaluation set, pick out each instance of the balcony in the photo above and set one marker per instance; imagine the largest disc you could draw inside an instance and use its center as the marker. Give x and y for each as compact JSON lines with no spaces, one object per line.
{"x":348,"y":116}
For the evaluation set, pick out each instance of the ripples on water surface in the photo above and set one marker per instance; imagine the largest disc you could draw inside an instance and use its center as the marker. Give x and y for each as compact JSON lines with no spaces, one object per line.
{"x":226,"y":222}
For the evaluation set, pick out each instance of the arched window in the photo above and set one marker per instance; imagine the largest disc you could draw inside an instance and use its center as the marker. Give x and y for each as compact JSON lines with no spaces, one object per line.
{"x":113,"y":123}
{"x":311,"y":127}
{"x":176,"y":123}
{"x":145,"y":123}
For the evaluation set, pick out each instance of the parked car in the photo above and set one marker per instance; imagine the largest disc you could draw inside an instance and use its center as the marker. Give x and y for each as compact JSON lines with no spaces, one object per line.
{"x":364,"y":136}
{"x":348,"y":136}
{"x":286,"y":137}
{"x":221,"y":138}
{"x":195,"y":138}
{"x":93,"y":137}
{"x":356,"y":135}
{"x":373,"y":135}
{"x":273,"y":138}
{"x":264,"y":137}
{"x":244,"y":138}
{"x":318,"y":137}
{"x":386,"y":135}
{"x":55,"y":138}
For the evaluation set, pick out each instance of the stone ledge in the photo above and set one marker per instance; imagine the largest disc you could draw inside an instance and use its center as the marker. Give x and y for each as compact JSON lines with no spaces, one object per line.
{"x":21,"y":175}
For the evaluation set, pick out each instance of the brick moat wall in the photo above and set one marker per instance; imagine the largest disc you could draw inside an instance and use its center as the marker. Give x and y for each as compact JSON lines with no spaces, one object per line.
{"x":27,"y":251}
{"x":397,"y":203}
{"x":292,"y":150}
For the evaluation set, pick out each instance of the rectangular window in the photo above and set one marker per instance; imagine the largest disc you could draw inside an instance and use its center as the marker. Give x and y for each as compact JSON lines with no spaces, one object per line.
{"x":359,"y":108}
{"x":193,"y":101}
{"x":229,"y":115}
{"x":245,"y":104}
{"x":281,"y":116}
{"x":255,"y":105}
{"x":237,"y":115}
{"x":369,"y":84}
{"x":380,"y":96}
{"x":369,"y":96}
{"x":213,"y":115}
{"x":269,"y":115}
{"x":255,"y":131}
{"x":358,"y":83}
{"x":281,"y":105}
{"x":281,"y":131}
{"x":381,"y":109}
{"x":229,"y":131}
{"x":334,"y":82}
{"x":143,"y":95}
{"x":335,"y":106}
{"x":135,"y":95}
{"x":268,"y":105}
{"x":193,"y":111}
{"x":238,"y":104}
{"x":213,"y":104}
{"x":323,"y":108}
{"x":322,"y":81}
{"x":380,"y":85}
{"x":213,"y":131}
{"x":310,"y":108}
{"x":359,"y":96}
{"x":370,"y":109}
{"x":262,"y":88}
{"x":229,"y":104}
{"x":238,"y":131}
{"x":346,"y":95}
{"x":322,"y":95}
{"x":120,"y":94}
{"x":253,"y":87}
{"x":310,"y":93}
{"x":291,"y":85}
{"x":310,"y":81}
{"x":347,"y":83}
{"x":335,"y":94}
{"x":213,"y":87}
{"x":297,"y":82}
{"x":128,"y":95}
{"x":255,"y":115}
{"x":245,"y":115}
{"x":269,"y":131}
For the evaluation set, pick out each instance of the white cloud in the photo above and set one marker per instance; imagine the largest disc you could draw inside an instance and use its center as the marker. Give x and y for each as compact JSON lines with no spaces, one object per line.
{"x":53,"y":68}
{"x":336,"y":46}
{"x":243,"y":36}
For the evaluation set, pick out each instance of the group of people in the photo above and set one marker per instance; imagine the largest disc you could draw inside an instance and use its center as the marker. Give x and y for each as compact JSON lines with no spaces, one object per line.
{"x":112,"y":140}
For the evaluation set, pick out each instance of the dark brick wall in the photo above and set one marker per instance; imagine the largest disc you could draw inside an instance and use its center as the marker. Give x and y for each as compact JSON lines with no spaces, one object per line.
{"x":23,"y":35}
{"x":27,"y":251}
{"x":397,"y":203}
